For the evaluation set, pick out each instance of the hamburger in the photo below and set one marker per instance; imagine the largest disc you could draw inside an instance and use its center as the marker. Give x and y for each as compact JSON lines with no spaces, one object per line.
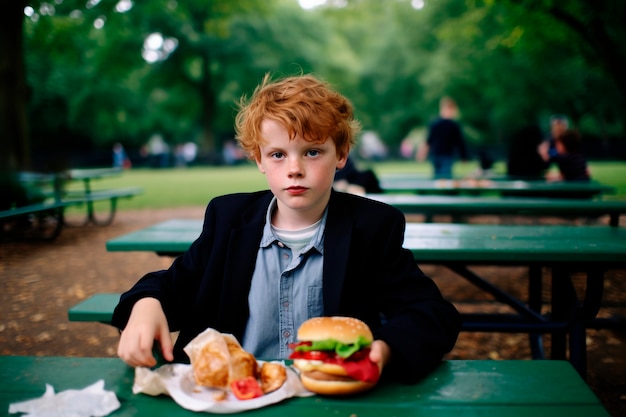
{"x":332,"y":356}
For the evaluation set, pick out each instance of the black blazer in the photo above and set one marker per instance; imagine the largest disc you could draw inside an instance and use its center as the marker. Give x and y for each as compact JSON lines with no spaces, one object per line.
{"x":367,"y":274}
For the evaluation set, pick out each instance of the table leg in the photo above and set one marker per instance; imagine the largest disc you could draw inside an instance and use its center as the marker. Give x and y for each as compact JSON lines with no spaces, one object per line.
{"x":90,"y":211}
{"x":535,"y":303}
{"x":562,"y":295}
{"x":588,"y":311}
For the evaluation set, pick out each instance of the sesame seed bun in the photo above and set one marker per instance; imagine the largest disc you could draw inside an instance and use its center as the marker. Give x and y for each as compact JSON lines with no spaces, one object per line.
{"x":343,"y":329}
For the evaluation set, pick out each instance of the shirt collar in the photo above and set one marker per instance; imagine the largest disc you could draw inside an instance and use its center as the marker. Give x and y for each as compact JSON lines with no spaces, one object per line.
{"x":269,"y":237}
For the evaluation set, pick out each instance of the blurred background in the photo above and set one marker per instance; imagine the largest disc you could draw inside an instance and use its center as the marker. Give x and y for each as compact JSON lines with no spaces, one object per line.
{"x":161,"y":77}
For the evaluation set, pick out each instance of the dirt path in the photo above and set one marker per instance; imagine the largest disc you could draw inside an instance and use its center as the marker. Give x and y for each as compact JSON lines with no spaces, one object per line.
{"x":40,"y":281}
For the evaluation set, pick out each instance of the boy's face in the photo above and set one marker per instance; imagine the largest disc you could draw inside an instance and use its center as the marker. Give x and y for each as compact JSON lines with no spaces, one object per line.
{"x":299,"y":173}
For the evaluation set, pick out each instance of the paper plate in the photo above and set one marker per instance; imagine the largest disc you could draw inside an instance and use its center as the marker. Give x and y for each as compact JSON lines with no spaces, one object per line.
{"x":176,"y":380}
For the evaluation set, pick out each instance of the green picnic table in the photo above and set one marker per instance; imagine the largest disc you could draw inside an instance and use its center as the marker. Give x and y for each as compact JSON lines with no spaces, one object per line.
{"x":430,"y":205}
{"x":90,"y":196}
{"x":456,"y":388}
{"x":518,"y":188}
{"x":564,"y":249}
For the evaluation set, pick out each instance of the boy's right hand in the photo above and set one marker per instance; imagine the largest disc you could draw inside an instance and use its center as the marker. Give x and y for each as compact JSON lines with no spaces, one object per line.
{"x":146,"y":324}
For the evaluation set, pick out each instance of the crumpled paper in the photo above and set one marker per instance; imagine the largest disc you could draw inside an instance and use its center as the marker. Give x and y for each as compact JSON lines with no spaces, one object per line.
{"x":92,"y":401}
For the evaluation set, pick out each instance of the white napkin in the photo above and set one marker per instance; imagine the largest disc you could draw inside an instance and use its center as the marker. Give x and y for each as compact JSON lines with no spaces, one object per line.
{"x":92,"y":401}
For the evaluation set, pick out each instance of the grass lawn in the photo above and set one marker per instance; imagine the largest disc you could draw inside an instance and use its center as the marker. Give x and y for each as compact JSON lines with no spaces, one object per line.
{"x":196,"y":186}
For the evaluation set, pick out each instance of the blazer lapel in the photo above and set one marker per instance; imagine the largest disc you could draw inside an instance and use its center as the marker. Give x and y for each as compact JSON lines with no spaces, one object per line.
{"x":336,"y":247}
{"x":243,"y":248}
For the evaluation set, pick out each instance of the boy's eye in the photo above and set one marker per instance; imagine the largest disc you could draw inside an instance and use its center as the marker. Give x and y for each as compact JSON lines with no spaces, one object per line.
{"x":313,"y":152}
{"x":277,"y":155}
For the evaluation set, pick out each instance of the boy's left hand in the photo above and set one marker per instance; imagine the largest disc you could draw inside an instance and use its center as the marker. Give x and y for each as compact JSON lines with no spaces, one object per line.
{"x":380,"y":353}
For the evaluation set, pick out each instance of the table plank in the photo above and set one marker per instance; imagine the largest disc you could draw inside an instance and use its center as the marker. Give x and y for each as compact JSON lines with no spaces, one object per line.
{"x":441,"y":242}
{"x":456,"y":388}
{"x":516,"y":244}
{"x":464,"y":206}
{"x":583,"y":189}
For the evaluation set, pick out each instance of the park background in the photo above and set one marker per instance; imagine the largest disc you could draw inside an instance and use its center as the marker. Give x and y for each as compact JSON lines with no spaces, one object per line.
{"x":80,"y":76}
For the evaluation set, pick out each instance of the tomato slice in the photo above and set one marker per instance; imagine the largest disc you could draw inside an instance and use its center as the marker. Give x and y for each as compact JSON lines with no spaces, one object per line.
{"x":246,"y":388}
{"x":312,"y":355}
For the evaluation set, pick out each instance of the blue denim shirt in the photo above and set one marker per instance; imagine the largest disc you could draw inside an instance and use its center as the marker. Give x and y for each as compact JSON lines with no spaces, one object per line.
{"x":286,"y":290}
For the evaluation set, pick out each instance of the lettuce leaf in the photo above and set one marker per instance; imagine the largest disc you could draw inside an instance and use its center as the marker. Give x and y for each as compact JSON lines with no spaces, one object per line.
{"x":341,"y":349}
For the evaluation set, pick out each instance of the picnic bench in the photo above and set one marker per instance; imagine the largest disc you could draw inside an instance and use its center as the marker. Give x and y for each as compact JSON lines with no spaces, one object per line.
{"x":89,"y":196}
{"x":459,"y":388}
{"x":430,"y":205}
{"x":565,"y":250}
{"x":42,"y":220}
{"x":44,"y":198}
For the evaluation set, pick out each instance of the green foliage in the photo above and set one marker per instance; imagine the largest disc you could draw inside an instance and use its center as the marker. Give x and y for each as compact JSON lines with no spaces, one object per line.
{"x":508,"y":63}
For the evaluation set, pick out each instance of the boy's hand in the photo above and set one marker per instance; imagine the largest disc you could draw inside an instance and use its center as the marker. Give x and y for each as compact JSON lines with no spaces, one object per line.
{"x":380,"y":353}
{"x":146,"y":324}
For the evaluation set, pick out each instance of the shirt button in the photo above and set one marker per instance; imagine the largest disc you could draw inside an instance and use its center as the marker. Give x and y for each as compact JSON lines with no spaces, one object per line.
{"x":286,"y":334}
{"x":286,"y":256}
{"x":286,"y":304}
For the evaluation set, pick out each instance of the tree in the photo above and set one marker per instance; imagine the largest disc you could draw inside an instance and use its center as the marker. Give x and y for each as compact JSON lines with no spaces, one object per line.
{"x":14,"y":145}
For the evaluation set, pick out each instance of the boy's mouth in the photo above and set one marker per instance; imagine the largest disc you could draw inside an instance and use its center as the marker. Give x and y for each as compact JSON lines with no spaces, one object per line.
{"x":296,"y":189}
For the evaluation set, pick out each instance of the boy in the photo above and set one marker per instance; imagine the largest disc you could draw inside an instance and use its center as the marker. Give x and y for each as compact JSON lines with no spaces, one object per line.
{"x":267,"y":261}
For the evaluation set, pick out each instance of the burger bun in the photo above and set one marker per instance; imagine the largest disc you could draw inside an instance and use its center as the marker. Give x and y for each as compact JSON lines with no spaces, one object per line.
{"x":343,"y":329}
{"x":329,"y":387}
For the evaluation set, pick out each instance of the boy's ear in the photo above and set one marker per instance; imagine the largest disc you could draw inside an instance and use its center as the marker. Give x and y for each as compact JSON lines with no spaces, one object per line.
{"x":341,"y":162}
{"x":259,"y":165}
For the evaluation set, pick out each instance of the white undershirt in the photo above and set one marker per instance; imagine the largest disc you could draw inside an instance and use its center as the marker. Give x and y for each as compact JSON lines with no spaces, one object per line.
{"x":297,"y":239}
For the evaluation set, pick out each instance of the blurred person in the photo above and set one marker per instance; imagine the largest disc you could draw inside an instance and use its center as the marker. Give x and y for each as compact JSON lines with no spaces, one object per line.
{"x":372,"y":147}
{"x":159,"y":151}
{"x":558,"y":125}
{"x":444,"y":140}
{"x":523,"y":160}
{"x":267,"y":261}
{"x":190,"y":152}
{"x":571,"y":163}
{"x":355,"y":181}
{"x":120,"y":159}
{"x":232,"y":153}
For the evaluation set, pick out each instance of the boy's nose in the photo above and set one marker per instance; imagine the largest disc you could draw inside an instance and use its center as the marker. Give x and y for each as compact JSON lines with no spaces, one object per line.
{"x":295,"y":168}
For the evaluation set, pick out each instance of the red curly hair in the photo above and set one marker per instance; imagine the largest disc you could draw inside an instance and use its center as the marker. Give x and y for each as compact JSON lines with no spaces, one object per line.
{"x":304,"y":105}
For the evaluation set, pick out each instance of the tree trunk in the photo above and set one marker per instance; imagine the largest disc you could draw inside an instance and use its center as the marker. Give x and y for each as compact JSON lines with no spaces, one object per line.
{"x":208,"y":108}
{"x":14,"y":143}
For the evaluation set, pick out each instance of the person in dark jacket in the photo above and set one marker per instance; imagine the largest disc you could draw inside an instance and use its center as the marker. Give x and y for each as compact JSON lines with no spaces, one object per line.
{"x":444,"y":141}
{"x":267,"y":261}
{"x":568,"y":157}
{"x":523,"y":161}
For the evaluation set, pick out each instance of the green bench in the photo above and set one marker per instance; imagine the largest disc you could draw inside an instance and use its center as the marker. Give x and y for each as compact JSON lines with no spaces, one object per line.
{"x":89,"y":197}
{"x":97,"y":308}
{"x":42,"y":220}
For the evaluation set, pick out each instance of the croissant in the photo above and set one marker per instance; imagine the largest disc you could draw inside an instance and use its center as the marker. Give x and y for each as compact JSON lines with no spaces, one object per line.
{"x":218,"y":359}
